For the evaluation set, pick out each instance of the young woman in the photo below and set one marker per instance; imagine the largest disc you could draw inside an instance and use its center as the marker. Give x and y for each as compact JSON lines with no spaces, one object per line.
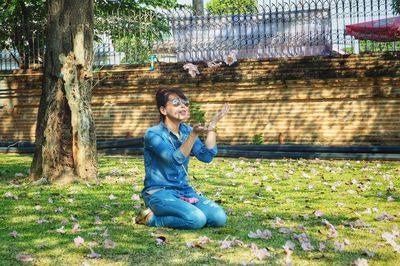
{"x":172,"y":202}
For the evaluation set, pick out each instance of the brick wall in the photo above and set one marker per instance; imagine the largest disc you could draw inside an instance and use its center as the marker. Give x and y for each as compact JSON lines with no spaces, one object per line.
{"x":341,"y":100}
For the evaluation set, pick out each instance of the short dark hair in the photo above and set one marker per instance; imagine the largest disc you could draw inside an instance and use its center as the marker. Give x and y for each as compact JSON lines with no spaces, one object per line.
{"x":162,"y":96}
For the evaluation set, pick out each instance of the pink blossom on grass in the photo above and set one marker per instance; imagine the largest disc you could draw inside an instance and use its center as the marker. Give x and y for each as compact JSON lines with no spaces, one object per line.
{"x":14,"y":234}
{"x":288,"y":247}
{"x":61,"y":230}
{"x":24,"y":257}
{"x":224,"y":244}
{"x":266,"y":234}
{"x":93,"y":255}
{"x":318,"y":213}
{"x":135,"y":197}
{"x":338,"y":246}
{"x":360,"y":262}
{"x":285,"y":230}
{"x":10,"y":195}
{"x":79,"y":241}
{"x":260,"y":254}
{"x":112,"y":197}
{"x":97,"y":220}
{"x":75,"y":228}
{"x":109,"y":244}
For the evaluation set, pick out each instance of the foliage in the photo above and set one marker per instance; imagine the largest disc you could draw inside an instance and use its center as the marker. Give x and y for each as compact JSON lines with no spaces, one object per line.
{"x":257,"y":139}
{"x":372,"y":46}
{"x":348,"y":50}
{"x":278,"y":195}
{"x":21,"y":25}
{"x":396,"y":6}
{"x":133,"y":26}
{"x":197,"y":116}
{"x":367,"y":46}
{"x":219,"y":7}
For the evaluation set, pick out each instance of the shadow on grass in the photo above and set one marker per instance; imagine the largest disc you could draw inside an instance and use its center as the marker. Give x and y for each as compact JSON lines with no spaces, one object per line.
{"x":14,"y":168}
{"x":135,"y":244}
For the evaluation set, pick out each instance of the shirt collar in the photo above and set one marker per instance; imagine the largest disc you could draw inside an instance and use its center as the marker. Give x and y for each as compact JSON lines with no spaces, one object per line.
{"x":168,"y":131}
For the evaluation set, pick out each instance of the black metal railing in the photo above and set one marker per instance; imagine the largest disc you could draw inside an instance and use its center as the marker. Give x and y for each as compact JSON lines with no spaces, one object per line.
{"x":274,"y":28}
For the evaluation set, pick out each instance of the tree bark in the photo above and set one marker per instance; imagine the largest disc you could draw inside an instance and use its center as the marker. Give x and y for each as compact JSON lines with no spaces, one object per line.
{"x":198,"y":7}
{"x":65,"y":132}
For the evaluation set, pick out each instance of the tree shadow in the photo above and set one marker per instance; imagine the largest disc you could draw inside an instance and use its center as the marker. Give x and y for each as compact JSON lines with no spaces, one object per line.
{"x":14,"y":169}
{"x":19,"y":99}
{"x":336,"y":100}
{"x":136,"y":244}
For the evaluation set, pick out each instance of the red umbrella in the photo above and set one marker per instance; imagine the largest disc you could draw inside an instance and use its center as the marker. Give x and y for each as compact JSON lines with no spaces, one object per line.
{"x":381,"y":30}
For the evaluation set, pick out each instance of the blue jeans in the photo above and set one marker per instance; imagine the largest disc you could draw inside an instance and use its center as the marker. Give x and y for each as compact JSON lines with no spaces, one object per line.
{"x":171,"y":211}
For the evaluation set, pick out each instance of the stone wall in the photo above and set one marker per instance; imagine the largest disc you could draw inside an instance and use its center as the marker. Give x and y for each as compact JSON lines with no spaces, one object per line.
{"x":339,"y":100}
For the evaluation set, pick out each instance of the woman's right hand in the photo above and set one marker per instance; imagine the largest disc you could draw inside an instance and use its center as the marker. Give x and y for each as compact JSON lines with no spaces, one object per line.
{"x":199,"y":129}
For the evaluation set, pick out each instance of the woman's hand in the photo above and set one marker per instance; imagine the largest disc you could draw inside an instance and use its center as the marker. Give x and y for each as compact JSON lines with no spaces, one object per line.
{"x":218,"y":116}
{"x":199,"y":129}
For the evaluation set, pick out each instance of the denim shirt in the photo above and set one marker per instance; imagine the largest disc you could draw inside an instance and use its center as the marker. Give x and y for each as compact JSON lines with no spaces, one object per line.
{"x":165,"y":165}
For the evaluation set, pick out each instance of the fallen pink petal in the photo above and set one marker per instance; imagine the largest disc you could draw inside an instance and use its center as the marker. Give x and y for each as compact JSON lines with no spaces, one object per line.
{"x":24,"y":257}
{"x":10,"y":195}
{"x":79,"y":241}
{"x":14,"y":234}
{"x":263,"y":234}
{"x":338,"y":246}
{"x":109,"y":244}
{"x":318,"y":213}
{"x":135,"y":197}
{"x":93,"y":255}
{"x":75,"y":228}
{"x":61,"y":230}
{"x":360,"y":262}
{"x":204,"y":240}
{"x":289,"y":247}
{"x":260,"y":254}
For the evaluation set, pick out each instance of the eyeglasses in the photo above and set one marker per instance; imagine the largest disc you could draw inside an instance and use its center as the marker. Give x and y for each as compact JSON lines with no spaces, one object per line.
{"x":178,"y":101}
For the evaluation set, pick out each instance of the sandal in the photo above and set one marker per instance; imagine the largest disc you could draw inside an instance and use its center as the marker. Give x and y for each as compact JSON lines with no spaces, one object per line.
{"x":144,"y":217}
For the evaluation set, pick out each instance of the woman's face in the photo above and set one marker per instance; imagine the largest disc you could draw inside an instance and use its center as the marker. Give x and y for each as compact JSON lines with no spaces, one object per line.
{"x":176,"y":109}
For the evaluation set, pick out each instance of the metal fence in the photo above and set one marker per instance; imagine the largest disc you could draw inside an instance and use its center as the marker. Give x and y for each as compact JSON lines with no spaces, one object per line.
{"x":261,"y":35}
{"x":274,"y":28}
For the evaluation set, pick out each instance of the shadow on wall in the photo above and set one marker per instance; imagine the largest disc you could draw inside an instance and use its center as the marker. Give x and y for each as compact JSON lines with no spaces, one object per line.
{"x":342,"y":100}
{"x":19,"y":99}
{"x":317,"y":100}
{"x":350,"y":110}
{"x":312,"y":100}
{"x":122,"y":107}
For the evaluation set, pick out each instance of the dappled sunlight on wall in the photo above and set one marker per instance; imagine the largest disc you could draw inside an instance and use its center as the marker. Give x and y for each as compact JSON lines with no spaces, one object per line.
{"x":343,"y":100}
{"x":19,"y":99}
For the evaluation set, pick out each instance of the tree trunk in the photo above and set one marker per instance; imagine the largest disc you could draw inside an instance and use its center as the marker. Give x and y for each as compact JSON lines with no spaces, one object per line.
{"x":65,"y":132}
{"x":198,"y":7}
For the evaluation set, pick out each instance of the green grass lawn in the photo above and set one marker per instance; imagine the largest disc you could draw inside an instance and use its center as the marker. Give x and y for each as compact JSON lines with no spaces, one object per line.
{"x":342,"y":207}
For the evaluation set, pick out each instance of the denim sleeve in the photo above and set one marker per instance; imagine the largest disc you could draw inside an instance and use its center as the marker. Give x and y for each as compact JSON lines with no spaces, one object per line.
{"x":163,"y":149}
{"x":203,"y":153}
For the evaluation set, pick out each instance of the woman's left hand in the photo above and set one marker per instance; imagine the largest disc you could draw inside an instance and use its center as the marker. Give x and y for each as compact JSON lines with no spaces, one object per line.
{"x":218,"y":116}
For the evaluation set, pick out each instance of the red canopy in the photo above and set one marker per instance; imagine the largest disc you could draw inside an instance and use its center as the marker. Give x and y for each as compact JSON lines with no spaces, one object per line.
{"x":381,"y":30}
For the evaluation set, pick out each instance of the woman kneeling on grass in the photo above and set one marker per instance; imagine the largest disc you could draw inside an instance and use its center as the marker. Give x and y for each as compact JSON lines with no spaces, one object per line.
{"x":172,"y":202}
